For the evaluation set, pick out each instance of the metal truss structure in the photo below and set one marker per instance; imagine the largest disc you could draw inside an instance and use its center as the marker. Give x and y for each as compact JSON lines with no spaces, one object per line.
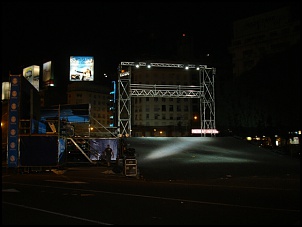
{"x":204,"y":92}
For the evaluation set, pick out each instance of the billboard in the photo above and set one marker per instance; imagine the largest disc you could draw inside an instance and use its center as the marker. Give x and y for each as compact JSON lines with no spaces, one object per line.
{"x":81,"y":68}
{"x":31,"y":73}
{"x":47,"y":74}
{"x":5,"y":90}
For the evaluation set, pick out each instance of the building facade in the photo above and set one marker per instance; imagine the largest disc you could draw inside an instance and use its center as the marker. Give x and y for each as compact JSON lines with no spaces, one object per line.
{"x":95,"y":95}
{"x":261,"y":36}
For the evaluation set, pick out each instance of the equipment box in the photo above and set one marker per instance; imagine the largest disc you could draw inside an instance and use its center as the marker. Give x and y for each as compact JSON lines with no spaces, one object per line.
{"x":130,"y":167}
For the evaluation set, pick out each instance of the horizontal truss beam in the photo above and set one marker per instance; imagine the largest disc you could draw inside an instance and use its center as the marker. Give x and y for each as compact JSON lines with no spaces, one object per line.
{"x":172,"y":91}
{"x":167,"y":65}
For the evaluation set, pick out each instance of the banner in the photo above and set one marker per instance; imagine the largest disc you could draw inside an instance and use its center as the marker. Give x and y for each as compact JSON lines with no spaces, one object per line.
{"x":13,"y":122}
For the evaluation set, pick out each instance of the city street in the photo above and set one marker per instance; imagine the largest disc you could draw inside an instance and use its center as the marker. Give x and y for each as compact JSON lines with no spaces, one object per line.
{"x":181,"y":181}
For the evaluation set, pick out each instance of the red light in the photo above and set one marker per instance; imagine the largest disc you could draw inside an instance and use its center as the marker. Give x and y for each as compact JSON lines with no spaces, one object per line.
{"x":183,"y":35}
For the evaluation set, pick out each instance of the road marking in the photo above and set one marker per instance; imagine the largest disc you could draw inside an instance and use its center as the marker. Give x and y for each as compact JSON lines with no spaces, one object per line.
{"x":165,"y":198}
{"x":10,"y":190}
{"x":58,"y":214}
{"x":68,"y":182}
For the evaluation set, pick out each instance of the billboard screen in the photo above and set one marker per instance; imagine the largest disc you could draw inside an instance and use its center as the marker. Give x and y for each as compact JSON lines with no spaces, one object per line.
{"x":47,"y":74}
{"x":32,"y":73}
{"x":81,"y":68}
{"x":100,"y":144}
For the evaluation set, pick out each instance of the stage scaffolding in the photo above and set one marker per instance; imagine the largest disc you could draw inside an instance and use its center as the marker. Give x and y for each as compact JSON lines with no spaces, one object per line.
{"x":204,"y":92}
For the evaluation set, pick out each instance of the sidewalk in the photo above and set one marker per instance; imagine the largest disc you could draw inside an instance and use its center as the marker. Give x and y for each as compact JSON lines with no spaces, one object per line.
{"x":84,"y":167}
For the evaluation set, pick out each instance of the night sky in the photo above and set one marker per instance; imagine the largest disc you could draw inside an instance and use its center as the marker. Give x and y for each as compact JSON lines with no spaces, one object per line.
{"x":33,"y":33}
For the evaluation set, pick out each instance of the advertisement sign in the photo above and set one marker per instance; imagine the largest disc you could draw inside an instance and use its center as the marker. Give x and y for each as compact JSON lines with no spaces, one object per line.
{"x":47,"y":74}
{"x":208,"y":131}
{"x":13,"y":122}
{"x":5,"y":90}
{"x":32,"y":73}
{"x":81,"y":68}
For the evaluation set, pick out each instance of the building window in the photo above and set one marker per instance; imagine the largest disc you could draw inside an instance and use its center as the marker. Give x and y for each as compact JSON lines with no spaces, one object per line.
{"x":156,"y":108}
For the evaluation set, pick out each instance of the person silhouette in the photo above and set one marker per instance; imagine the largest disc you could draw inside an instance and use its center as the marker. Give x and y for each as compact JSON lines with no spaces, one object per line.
{"x":108,"y":152}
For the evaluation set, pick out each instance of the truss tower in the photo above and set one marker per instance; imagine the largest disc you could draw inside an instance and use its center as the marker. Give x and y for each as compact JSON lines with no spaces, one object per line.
{"x":204,"y":92}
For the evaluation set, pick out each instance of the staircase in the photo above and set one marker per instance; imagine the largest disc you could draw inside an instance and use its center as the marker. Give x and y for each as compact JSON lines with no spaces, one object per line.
{"x":79,"y":149}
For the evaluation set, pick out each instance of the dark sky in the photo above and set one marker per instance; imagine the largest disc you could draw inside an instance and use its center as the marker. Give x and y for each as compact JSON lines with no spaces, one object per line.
{"x":35,"y":32}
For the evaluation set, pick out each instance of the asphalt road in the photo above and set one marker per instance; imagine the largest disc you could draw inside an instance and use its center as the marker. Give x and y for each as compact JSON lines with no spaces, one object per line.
{"x":181,"y":181}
